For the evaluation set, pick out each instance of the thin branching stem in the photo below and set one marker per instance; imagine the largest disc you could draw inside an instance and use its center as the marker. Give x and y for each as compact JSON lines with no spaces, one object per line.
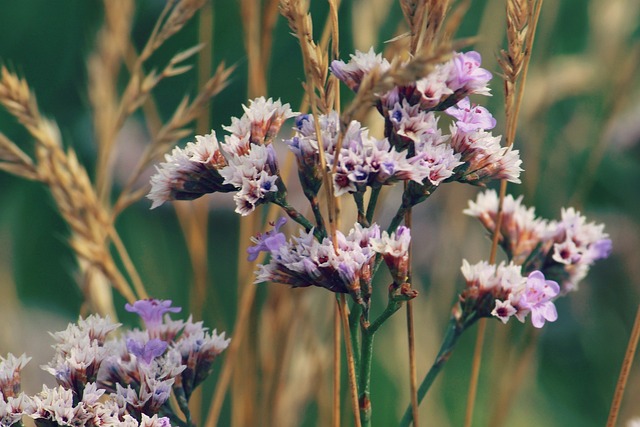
{"x":624,"y":371}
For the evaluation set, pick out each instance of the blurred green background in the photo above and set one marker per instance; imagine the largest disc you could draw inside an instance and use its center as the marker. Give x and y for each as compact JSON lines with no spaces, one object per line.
{"x":579,"y":138}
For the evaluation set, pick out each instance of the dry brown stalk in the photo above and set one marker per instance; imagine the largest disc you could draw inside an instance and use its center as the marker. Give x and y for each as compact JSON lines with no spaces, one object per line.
{"x":171,"y":132}
{"x":69,"y":184}
{"x":522,"y":19}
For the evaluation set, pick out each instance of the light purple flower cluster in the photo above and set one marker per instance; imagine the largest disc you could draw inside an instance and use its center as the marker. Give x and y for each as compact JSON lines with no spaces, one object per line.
{"x":563,"y":250}
{"x":470,"y":153}
{"x":344,"y":268}
{"x":304,"y":261}
{"x":123,"y":381}
{"x":245,"y":163}
{"x":502,"y":291}
{"x":363,"y":160}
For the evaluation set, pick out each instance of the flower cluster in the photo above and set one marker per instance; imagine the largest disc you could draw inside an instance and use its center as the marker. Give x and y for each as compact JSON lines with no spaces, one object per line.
{"x":123,"y":381}
{"x":502,"y":291}
{"x":304,"y":261}
{"x":563,"y":250}
{"x":469,"y":153}
{"x":245,"y":163}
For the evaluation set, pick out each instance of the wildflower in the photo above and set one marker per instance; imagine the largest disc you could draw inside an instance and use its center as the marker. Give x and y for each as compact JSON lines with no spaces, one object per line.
{"x":198,"y":348}
{"x":394,"y":248}
{"x":269,"y":241}
{"x":471,"y":117}
{"x":465,"y":74}
{"x":147,"y":351}
{"x":189,"y":173}
{"x":360,"y":64}
{"x":261,"y":121}
{"x":12,"y":408}
{"x":563,"y":250}
{"x":151,"y":312}
{"x":154,"y":421}
{"x":502,"y":292}
{"x":10,"y":368}
{"x":484,"y":159}
{"x":304,"y":261}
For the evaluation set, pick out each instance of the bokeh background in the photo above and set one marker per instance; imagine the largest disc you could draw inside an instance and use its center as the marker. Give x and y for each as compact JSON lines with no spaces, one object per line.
{"x":579,"y":137}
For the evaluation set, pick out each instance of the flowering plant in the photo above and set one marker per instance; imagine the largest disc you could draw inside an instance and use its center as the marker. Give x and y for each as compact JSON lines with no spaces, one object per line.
{"x":430,"y":126}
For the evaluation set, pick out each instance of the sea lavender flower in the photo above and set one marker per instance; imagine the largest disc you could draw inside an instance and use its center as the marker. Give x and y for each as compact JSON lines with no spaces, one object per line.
{"x":271,"y":240}
{"x":261,"y":121}
{"x":198,"y":349}
{"x":394,"y":249}
{"x":353,"y":72}
{"x":146,"y":351}
{"x":190,"y":173}
{"x":465,"y":74}
{"x":12,"y":408}
{"x":502,"y":292}
{"x":151,"y":312}
{"x":303,"y":261}
{"x":563,"y":250}
{"x":483,"y":157}
{"x":471,"y":117}
{"x":10,"y":368}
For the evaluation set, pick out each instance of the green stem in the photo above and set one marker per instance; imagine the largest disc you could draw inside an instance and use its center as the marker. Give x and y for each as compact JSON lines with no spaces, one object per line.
{"x":365,"y":376}
{"x":358,"y":196}
{"x":454,"y":331}
{"x":317,"y":213}
{"x":354,"y":322}
{"x":299,"y":218}
{"x":373,"y":200}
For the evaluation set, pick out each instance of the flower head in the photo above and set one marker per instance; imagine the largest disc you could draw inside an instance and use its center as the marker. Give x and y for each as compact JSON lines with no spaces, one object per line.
{"x":360,"y":64}
{"x":151,"y":311}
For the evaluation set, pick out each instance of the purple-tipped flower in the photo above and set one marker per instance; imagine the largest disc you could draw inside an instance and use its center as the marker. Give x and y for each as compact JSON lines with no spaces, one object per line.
{"x":465,"y":74}
{"x":395,"y":250}
{"x":537,"y":298}
{"x":562,"y":250}
{"x":146,"y":351}
{"x":471,"y":117}
{"x":269,"y":241}
{"x":360,"y":64}
{"x":151,"y":311}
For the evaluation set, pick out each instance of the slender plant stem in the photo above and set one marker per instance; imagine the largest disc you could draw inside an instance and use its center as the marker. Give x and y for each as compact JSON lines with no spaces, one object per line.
{"x":454,"y":331}
{"x":354,"y":323}
{"x":624,"y":371}
{"x":353,"y":386}
{"x":358,"y":196}
{"x":365,"y":376}
{"x":294,"y":214}
{"x":413,"y":380}
{"x":128,"y":264}
{"x":475,"y":369}
{"x":337,"y":338}
{"x":373,"y":201}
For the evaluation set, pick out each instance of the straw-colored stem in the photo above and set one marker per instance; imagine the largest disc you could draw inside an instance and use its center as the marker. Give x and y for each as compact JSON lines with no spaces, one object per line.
{"x":413,"y":377}
{"x":624,"y":371}
{"x":128,"y":265}
{"x":353,"y":388}
{"x":475,"y":372}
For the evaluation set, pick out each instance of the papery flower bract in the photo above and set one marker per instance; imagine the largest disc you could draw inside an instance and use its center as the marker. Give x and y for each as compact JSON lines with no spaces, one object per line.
{"x":261,"y":121}
{"x":12,"y":408}
{"x":360,"y":64}
{"x":10,"y":368}
{"x":154,"y":421}
{"x":189,"y":173}
{"x":394,"y":248}
{"x":484,"y":159}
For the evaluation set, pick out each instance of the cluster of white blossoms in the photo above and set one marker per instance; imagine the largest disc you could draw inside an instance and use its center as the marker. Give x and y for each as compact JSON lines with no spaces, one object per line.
{"x":124,"y":381}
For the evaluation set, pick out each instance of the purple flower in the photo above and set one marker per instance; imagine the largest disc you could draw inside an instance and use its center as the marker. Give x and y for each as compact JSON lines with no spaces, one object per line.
{"x":471,"y":117}
{"x":537,"y":298}
{"x":466,"y":75}
{"x":151,"y":311}
{"x":269,"y":241}
{"x":146,"y":351}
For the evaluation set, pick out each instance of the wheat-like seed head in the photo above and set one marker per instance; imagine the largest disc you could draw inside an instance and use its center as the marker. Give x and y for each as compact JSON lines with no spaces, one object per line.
{"x":519,"y":15}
